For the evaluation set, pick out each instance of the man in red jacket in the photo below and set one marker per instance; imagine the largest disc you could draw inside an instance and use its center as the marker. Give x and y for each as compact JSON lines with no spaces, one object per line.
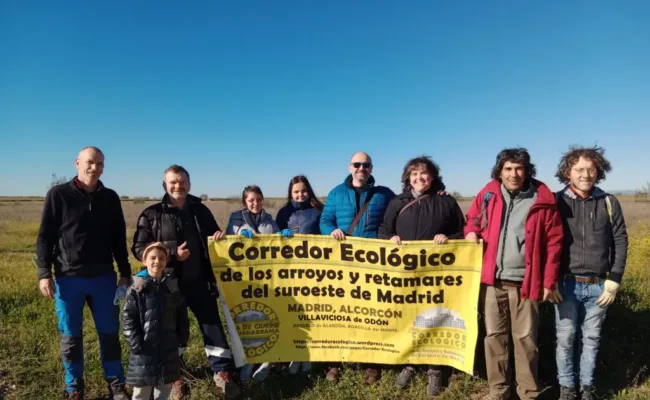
{"x":517,"y":218}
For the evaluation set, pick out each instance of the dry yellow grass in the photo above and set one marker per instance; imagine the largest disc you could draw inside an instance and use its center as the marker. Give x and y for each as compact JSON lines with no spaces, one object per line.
{"x":30,"y":211}
{"x":30,"y":365}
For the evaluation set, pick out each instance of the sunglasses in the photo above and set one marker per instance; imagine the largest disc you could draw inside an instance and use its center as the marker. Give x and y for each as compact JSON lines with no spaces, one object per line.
{"x":357,"y":165}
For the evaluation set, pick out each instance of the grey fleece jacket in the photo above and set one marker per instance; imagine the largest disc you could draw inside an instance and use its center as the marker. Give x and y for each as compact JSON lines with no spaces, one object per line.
{"x":261,"y":224}
{"x":511,"y":263}
{"x":592,"y":245}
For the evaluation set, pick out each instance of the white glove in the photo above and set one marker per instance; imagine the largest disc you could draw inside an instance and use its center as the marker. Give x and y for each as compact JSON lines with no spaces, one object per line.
{"x":609,"y":294}
{"x":181,"y":351}
{"x":120,"y":293}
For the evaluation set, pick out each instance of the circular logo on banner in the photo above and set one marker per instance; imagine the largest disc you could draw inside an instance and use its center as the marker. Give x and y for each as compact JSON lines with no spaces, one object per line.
{"x":258,"y":327}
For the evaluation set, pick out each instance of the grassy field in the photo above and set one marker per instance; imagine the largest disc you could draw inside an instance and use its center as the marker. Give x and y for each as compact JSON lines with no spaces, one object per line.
{"x":31,"y":368}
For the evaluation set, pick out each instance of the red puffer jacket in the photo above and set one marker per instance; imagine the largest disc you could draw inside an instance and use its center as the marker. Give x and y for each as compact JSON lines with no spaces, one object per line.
{"x":543,"y":237}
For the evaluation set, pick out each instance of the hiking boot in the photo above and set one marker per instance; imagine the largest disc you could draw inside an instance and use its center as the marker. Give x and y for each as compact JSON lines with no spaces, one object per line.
{"x":567,"y":393}
{"x":588,"y":393}
{"x":372,"y":375}
{"x":116,"y":389}
{"x":179,"y":391}
{"x":436,"y":383}
{"x":405,"y":376}
{"x":227,"y":385}
{"x":332,"y":374}
{"x":120,"y":394}
{"x":75,"y":395}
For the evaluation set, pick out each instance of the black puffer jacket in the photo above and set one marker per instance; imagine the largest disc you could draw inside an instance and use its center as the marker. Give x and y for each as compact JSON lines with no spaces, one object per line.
{"x":161,"y":222}
{"x":423,"y":220}
{"x":155,"y":325}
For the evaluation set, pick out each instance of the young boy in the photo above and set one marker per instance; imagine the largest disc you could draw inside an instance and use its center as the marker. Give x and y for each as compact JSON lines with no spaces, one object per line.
{"x":155,"y":326}
{"x":593,"y":262}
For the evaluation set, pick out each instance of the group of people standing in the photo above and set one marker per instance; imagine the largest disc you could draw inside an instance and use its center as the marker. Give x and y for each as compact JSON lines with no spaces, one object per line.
{"x":568,"y":248}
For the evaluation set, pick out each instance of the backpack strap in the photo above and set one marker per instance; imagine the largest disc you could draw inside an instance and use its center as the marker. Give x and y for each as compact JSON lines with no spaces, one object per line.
{"x":608,"y":202}
{"x":360,"y":213}
{"x":483,"y":215}
{"x":410,"y":203}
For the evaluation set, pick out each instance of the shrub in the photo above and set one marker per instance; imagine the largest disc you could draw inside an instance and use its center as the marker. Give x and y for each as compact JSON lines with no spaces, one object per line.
{"x":56,"y":181}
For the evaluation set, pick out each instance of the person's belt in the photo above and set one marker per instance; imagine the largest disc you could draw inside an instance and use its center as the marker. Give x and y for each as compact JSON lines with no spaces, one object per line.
{"x":499,"y":283}
{"x":586,"y":279}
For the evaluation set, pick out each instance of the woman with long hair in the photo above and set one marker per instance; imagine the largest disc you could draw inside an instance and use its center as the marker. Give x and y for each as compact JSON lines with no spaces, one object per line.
{"x":300,"y":214}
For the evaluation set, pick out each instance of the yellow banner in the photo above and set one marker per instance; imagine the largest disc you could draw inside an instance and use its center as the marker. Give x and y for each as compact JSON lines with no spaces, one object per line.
{"x":313,"y":298}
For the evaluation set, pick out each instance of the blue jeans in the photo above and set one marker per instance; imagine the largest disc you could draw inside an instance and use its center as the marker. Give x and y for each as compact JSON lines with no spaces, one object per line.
{"x":72,"y":294}
{"x":578,"y":310}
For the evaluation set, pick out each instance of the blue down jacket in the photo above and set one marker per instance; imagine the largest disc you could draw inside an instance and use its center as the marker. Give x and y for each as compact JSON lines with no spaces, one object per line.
{"x":341,"y":208}
{"x":299,"y":217}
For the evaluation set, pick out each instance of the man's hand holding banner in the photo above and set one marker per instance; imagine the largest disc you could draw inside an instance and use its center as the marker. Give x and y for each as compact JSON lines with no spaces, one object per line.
{"x":313,"y":298}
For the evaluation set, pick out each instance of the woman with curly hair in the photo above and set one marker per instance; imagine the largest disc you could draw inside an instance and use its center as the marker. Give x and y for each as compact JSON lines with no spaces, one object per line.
{"x":420,"y":213}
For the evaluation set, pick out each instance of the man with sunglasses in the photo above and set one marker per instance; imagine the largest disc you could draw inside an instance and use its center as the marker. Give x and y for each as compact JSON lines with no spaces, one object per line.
{"x":356,"y":207}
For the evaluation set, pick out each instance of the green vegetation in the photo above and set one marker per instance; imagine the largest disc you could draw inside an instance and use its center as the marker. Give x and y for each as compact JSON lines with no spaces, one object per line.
{"x":31,"y":368}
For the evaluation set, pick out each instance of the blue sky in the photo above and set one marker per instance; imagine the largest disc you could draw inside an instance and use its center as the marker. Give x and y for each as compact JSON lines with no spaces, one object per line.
{"x":256,"y":92}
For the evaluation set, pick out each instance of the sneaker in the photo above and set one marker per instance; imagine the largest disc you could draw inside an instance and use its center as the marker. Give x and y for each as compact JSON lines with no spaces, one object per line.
{"x":405,"y":376}
{"x":179,"y":391}
{"x":332,"y":374}
{"x":588,"y":393}
{"x":372,"y":375}
{"x":227,"y":385}
{"x":567,"y":393}
{"x":436,"y":384}
{"x":116,"y":390}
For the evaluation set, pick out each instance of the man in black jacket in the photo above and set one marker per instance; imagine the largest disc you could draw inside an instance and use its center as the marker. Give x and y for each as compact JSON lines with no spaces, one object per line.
{"x":183,"y":224}
{"x":82,"y":230}
{"x":593,"y":261}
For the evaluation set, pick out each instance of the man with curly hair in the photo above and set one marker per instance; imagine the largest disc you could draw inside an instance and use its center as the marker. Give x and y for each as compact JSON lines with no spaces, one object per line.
{"x":592,"y":264}
{"x":517,"y":218}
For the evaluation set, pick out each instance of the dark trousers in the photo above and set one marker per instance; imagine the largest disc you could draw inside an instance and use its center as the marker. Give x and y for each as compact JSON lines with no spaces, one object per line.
{"x":204,"y":307}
